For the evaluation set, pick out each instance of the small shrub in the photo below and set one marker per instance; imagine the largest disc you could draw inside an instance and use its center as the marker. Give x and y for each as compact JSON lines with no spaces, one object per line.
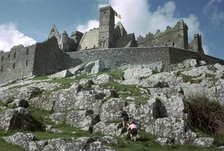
{"x":206,"y":115}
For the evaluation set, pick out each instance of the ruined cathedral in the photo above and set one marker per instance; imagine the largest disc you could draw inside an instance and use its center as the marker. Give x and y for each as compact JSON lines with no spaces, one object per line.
{"x":111,"y":35}
{"x":110,"y":43}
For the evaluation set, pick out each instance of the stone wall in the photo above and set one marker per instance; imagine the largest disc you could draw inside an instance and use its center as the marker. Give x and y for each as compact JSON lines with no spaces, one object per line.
{"x":49,"y":58}
{"x":116,"y":57}
{"x":171,"y":37}
{"x":178,"y":55}
{"x":17,"y":63}
{"x":89,"y":40}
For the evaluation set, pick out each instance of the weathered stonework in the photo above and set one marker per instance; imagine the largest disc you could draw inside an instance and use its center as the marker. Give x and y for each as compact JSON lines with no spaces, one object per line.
{"x":173,"y":37}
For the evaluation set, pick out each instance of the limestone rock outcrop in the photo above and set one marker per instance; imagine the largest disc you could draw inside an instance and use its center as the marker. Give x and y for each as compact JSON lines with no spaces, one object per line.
{"x":155,"y":96}
{"x":30,"y":143}
{"x":19,"y":118}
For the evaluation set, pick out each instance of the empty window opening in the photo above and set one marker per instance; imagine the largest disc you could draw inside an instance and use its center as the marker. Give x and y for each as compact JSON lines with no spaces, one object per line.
{"x":104,"y":44}
{"x":14,"y":65}
{"x":8,"y":55}
{"x":2,"y":58}
{"x":14,"y":55}
{"x":27,"y":51}
{"x":27,"y":62}
{"x":173,"y":44}
{"x":101,"y":44}
{"x":1,"y":69}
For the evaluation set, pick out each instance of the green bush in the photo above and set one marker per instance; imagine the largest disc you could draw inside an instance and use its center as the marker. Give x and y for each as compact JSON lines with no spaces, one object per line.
{"x":206,"y":115}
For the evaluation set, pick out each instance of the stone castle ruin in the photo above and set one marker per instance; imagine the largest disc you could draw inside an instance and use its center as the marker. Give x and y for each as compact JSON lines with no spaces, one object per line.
{"x":109,"y":43}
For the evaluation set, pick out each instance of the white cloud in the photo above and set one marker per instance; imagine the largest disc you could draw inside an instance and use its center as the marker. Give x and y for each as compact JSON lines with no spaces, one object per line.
{"x":137,"y":17}
{"x":10,"y":36}
{"x":89,"y":25}
{"x":214,"y":13}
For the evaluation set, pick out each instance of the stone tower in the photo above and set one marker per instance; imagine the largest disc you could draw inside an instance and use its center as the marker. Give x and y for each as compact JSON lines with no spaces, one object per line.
{"x":64,"y":41}
{"x":198,"y":44}
{"x":106,"y":27}
{"x":184,"y":34}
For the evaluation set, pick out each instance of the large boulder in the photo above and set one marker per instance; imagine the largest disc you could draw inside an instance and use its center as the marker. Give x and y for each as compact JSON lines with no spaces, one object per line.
{"x":94,"y":67}
{"x":21,"y":139}
{"x":19,"y":118}
{"x":172,"y":129}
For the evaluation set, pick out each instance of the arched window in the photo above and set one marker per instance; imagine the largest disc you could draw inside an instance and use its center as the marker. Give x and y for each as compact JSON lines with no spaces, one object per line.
{"x":14,"y":55}
{"x":14,"y":65}
{"x":27,"y":62}
{"x":27,"y":51}
{"x":101,"y":44}
{"x":104,"y":44}
{"x":173,"y":44}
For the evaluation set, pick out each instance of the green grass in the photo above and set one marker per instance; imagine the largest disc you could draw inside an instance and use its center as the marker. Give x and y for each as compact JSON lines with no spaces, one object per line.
{"x":67,"y":132}
{"x":66,"y":82}
{"x":116,"y":74}
{"x":4,"y":146}
{"x":83,"y":76}
{"x":44,"y":77}
{"x":147,"y":143}
{"x":41,"y":115}
{"x":125,"y":91}
{"x":18,"y":86}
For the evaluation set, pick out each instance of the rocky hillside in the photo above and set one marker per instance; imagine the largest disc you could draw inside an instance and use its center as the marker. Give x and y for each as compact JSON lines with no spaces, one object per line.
{"x":79,"y":108}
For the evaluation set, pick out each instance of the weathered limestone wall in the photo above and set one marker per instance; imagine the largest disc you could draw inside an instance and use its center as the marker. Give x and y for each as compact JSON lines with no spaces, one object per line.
{"x":178,"y":55}
{"x":173,"y":37}
{"x":17,"y":63}
{"x":89,"y":40}
{"x":49,"y":58}
{"x":116,"y":57}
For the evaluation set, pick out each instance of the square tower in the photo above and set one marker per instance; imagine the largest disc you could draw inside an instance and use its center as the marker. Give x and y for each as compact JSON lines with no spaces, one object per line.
{"x":106,"y":27}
